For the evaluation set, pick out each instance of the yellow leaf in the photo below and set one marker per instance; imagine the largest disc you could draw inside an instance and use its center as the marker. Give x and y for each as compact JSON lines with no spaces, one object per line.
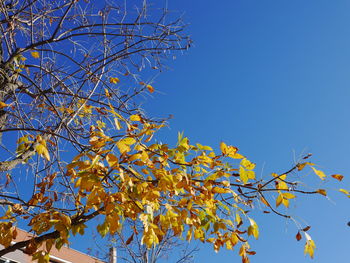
{"x":279,"y":200}
{"x":322,"y":192}
{"x":35,"y":54}
{"x":3,"y":105}
{"x":344,"y":191}
{"x":319,"y":173}
{"x":283,"y":176}
{"x":288,"y":195}
{"x":245,"y":175}
{"x":114,"y":80}
{"x":189,"y":235}
{"x":66,"y":220}
{"x":253,"y":229}
{"x":285,"y":202}
{"x":128,"y":140}
{"x":226,"y":183}
{"x":309,"y":245}
{"x":247,"y":164}
{"x":238,"y":218}
{"x":112,"y":160}
{"x":264,"y":201}
{"x":135,"y":117}
{"x":204,"y":148}
{"x":301,"y":166}
{"x":135,"y":156}
{"x":223,"y":148}
{"x":117,"y":124}
{"x":230,"y":151}
{"x":42,"y":150}
{"x":108,"y":95}
{"x":150,"y":88}
{"x":124,"y":144}
{"x":220,"y":190}
{"x":281,"y":185}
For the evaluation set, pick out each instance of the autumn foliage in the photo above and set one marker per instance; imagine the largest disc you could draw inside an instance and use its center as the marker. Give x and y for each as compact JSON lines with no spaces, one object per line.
{"x":190,"y":189}
{"x":87,"y":149}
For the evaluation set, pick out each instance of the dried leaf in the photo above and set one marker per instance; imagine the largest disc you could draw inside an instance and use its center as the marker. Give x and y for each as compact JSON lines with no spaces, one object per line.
{"x":130,"y":239}
{"x":322,"y":192}
{"x":306,"y":228}
{"x":338,"y":177}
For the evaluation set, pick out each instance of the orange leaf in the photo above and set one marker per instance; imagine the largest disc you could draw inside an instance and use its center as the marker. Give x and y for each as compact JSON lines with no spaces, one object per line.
{"x":114,"y":80}
{"x":322,"y":192}
{"x":3,"y":105}
{"x":338,"y":177}
{"x":150,"y":88}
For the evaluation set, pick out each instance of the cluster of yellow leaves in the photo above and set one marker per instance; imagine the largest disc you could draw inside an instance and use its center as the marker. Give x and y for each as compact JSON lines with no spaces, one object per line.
{"x":41,"y":148}
{"x":309,"y":246}
{"x":18,"y":64}
{"x":246,"y":172}
{"x":23,"y":143}
{"x":283,"y":198}
{"x":188,"y":189}
{"x":7,"y":233}
{"x":154,"y":184}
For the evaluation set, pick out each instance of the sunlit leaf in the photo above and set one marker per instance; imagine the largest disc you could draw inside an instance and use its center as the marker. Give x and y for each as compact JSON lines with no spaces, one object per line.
{"x":338,"y":177}
{"x":247,"y":164}
{"x":301,"y":166}
{"x":279,"y":199}
{"x":114,"y":80}
{"x":288,"y":195}
{"x":309,"y":246}
{"x":135,"y":117}
{"x":319,"y":173}
{"x":253,"y":229}
{"x":322,"y":192}
{"x":125,"y":143}
{"x":3,"y":105}
{"x":35,"y":54}
{"x":150,"y":88}
{"x":112,"y":160}
{"x":345,"y":192}
{"x":42,"y":150}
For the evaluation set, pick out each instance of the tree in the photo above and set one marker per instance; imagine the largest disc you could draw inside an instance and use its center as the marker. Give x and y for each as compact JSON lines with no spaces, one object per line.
{"x":127,"y":244}
{"x":76,"y":135}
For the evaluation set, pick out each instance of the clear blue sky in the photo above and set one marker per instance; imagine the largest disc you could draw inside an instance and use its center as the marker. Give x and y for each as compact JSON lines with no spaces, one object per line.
{"x":273,"y":78}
